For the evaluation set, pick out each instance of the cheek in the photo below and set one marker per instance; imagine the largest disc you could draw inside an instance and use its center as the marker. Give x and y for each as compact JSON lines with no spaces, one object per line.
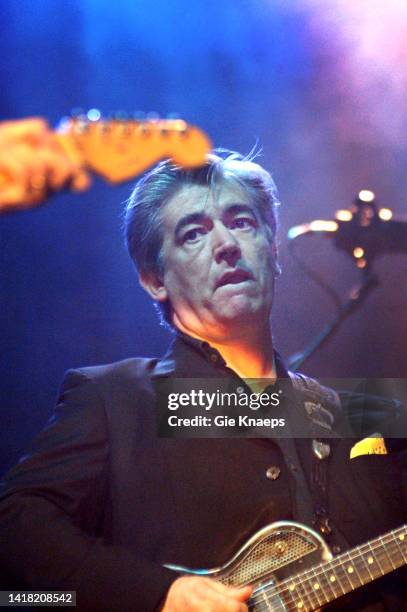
{"x":263,"y":258}
{"x":190,"y":271}
{"x":179,"y":284}
{"x":267,"y":270}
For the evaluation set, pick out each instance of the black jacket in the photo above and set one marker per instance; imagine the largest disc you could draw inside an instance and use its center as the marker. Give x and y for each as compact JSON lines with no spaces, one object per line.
{"x":100,"y":503}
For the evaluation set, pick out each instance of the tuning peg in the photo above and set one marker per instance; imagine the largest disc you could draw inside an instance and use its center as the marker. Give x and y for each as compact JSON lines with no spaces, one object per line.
{"x":138,"y":116}
{"x":64,"y":124}
{"x":153,"y":116}
{"x":180,"y":126}
{"x":78,"y":113}
{"x":93,"y":114}
{"x":143,"y":129}
{"x":80,"y":120}
{"x":105,"y":125}
{"x":120,"y":116}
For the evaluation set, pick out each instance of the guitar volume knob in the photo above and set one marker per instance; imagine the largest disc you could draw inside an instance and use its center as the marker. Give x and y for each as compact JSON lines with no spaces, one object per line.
{"x":280,"y":547}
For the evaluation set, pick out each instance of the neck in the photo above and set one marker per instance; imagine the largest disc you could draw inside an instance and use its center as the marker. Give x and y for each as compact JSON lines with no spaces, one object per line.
{"x":248,"y":352}
{"x":250,"y":357}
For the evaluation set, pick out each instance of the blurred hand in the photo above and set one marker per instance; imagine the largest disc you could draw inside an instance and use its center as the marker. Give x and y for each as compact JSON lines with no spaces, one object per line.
{"x":198,"y":594}
{"x":33,"y":163}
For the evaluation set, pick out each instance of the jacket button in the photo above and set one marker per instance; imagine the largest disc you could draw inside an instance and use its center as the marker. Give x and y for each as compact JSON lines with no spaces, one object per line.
{"x":273,"y":472}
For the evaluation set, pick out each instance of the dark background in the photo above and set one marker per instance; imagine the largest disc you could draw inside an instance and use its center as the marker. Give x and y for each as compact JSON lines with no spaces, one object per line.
{"x":321,"y":86}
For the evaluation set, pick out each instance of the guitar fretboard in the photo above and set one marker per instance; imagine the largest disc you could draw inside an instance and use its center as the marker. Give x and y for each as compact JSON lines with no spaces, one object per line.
{"x":330,"y":580}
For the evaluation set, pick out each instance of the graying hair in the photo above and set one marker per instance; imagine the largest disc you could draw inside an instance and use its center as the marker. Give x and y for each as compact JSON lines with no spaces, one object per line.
{"x":142,"y":218}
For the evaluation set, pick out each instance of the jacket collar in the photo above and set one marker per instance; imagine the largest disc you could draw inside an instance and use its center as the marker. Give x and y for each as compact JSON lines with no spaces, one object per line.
{"x":187,"y":355}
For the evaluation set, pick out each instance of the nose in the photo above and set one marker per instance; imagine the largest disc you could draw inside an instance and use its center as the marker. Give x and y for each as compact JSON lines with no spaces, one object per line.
{"x":226,"y":247}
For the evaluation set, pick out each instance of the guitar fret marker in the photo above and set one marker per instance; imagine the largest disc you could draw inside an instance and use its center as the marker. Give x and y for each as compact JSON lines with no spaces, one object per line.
{"x":326,"y":582}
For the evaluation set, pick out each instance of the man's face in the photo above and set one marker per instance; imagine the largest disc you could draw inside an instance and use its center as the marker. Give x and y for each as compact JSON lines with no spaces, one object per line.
{"x":218,"y":261}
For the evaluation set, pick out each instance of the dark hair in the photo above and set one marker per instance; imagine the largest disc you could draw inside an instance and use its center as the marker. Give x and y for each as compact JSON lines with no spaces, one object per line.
{"x":142,"y":219}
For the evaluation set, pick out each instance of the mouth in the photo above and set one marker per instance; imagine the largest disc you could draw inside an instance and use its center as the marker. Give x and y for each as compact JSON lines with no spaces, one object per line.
{"x":233,"y":277}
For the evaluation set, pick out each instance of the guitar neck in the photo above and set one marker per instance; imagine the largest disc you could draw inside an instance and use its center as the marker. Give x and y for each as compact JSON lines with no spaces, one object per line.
{"x":347,"y":572}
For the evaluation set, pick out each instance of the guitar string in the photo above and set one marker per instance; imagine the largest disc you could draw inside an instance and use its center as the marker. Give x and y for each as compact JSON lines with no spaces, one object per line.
{"x":347,"y":557}
{"x":287,"y":606}
{"x":311,"y":592}
{"x":337,"y":562}
{"x":315,"y":601}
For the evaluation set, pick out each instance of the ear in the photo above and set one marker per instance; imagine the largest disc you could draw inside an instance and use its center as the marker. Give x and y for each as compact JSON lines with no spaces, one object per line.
{"x":154,"y":286}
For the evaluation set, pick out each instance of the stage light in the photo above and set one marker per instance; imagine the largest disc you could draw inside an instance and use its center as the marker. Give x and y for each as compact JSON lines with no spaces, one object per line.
{"x":385,"y":214}
{"x":358,"y":252}
{"x":343,"y":215}
{"x":323,"y":226}
{"x":365,"y":195}
{"x":93,"y":114}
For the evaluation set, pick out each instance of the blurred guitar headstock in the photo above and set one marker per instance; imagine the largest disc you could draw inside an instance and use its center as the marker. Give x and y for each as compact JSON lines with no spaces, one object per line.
{"x":120,"y":149}
{"x":36,"y":161}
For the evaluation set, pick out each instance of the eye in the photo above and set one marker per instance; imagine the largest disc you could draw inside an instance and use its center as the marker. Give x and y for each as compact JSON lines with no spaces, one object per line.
{"x":193,"y":235}
{"x":243,"y":223}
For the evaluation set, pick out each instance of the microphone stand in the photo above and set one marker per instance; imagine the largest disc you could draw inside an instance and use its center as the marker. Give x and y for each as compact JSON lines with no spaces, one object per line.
{"x":363,"y":232}
{"x":356,"y":298}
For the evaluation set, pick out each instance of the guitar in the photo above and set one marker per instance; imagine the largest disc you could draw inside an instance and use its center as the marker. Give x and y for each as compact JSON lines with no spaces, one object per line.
{"x":116,"y":149}
{"x":292,"y":568}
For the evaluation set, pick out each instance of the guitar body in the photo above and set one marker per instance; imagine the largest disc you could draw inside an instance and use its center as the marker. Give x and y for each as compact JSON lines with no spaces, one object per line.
{"x":274,"y":554}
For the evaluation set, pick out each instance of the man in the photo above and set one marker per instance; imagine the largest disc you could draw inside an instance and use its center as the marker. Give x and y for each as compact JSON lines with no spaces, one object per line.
{"x":102,"y":504}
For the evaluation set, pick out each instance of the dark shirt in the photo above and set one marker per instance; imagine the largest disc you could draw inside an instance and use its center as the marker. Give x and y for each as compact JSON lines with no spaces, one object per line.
{"x":208,"y":363}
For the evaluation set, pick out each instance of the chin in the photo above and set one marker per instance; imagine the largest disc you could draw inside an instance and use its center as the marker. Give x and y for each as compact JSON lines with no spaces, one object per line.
{"x":238,"y":311}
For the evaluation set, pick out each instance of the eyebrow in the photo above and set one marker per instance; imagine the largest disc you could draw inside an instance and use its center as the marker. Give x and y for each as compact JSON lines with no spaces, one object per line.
{"x":195,"y":217}
{"x":199,"y":216}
